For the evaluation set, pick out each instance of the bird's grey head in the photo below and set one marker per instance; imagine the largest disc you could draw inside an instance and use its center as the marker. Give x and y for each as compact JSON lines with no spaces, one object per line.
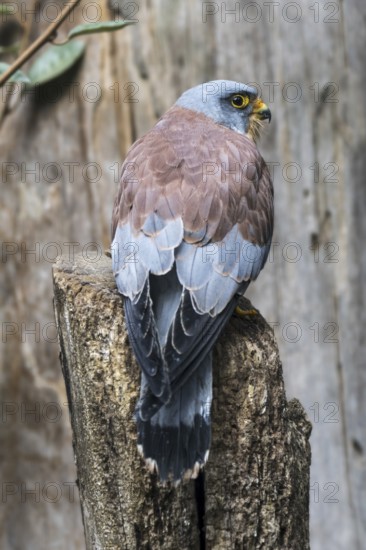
{"x":229,"y":103}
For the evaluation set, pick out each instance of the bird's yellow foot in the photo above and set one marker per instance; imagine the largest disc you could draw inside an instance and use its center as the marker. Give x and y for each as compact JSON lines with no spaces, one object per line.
{"x":244,"y":312}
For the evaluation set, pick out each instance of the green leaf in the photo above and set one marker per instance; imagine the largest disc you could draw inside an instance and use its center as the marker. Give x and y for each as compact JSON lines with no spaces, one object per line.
{"x":55,"y":61}
{"x":7,"y":9}
{"x":18,"y":76}
{"x":104,"y":26}
{"x":14,"y":48}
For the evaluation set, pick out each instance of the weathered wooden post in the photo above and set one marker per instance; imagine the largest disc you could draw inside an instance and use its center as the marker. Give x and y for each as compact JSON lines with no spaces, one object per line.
{"x":254,"y":493}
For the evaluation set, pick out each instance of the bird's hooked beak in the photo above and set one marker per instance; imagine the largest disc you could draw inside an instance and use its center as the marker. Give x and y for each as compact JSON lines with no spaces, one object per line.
{"x":261,"y":110}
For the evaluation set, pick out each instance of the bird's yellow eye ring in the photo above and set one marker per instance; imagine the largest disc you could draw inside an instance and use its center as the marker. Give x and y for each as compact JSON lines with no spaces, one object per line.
{"x":239,"y":101}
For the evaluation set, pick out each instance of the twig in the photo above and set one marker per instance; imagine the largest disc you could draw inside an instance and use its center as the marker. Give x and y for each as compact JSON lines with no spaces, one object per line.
{"x":41,"y":40}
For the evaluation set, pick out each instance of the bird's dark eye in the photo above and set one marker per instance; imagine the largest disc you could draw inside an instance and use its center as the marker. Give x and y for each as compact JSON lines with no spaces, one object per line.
{"x":239,"y":101}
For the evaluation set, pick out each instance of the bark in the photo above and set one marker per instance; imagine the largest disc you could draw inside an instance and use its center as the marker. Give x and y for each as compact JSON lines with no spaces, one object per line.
{"x":254,"y":492}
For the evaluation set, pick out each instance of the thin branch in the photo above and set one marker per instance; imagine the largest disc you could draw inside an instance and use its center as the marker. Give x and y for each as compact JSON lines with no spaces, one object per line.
{"x":41,"y":40}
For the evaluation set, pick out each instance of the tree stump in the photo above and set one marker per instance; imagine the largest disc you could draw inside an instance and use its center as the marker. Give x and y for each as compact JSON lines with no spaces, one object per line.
{"x":254,"y":491}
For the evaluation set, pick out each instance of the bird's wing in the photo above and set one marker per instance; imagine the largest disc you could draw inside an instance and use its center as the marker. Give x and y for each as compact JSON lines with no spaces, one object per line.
{"x":194,"y":209}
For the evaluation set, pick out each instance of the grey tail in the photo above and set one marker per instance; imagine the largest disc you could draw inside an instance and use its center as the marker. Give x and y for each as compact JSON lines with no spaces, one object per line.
{"x":175,"y":441}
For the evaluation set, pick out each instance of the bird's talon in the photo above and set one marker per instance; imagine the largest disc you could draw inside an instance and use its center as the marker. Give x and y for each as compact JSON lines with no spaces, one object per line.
{"x":244,"y":312}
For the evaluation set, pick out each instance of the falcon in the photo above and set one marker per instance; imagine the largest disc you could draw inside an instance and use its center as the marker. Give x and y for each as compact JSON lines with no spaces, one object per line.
{"x":192,"y":226}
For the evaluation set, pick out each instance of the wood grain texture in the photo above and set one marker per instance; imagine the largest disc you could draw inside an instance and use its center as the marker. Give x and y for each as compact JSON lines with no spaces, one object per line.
{"x":256,"y":483}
